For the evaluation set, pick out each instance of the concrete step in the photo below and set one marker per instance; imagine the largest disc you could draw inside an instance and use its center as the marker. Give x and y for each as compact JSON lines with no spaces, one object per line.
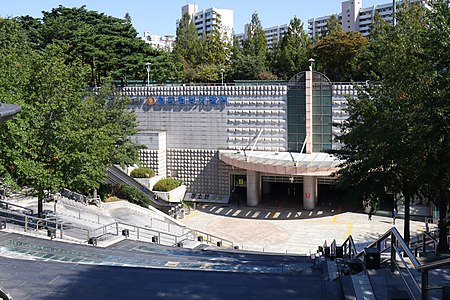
{"x":363,"y":288}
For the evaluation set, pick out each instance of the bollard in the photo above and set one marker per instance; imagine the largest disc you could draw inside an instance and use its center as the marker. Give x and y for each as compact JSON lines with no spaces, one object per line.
{"x":51,"y":233}
{"x":92,"y":241}
{"x":2,"y":224}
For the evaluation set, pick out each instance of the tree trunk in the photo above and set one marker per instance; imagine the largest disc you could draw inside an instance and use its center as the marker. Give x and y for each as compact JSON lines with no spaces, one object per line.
{"x":94,"y":78}
{"x":40,"y":204}
{"x":407,"y":197}
{"x":443,"y":244}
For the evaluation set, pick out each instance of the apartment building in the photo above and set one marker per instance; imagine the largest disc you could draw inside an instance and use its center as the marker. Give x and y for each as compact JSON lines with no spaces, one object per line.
{"x":159,"y":42}
{"x":273,"y":34}
{"x":205,"y":20}
{"x":353,"y":17}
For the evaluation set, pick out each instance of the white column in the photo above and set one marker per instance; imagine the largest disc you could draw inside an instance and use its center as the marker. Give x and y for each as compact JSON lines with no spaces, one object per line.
{"x":253,"y":188}
{"x":309,"y":192}
{"x":308,"y":124}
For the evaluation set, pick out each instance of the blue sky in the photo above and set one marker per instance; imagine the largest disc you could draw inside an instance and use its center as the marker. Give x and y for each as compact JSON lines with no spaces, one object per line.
{"x":159,"y":16}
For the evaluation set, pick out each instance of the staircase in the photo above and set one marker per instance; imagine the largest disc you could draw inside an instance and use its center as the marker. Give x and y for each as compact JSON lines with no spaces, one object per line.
{"x":387,"y":269}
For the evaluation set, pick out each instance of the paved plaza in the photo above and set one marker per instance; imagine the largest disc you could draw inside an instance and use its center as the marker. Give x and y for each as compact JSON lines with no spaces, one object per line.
{"x":288,"y":230}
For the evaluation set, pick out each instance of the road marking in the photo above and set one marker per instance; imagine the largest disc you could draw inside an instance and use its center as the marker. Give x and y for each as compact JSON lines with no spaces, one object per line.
{"x":288,"y":215}
{"x":228,"y":212}
{"x":248,"y":213}
{"x":299,"y":214}
{"x":256,"y":214}
{"x":213,"y":208}
{"x":276,"y":215}
{"x":319,"y":212}
{"x":219,"y":210}
{"x":236,"y":212}
{"x":268,"y":215}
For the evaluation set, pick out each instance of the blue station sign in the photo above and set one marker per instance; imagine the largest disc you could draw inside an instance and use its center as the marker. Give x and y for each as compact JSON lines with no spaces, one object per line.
{"x":188,"y":100}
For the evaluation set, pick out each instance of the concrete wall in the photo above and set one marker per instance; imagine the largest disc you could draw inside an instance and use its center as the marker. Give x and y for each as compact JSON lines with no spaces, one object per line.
{"x":232,"y":126}
{"x":183,"y":140}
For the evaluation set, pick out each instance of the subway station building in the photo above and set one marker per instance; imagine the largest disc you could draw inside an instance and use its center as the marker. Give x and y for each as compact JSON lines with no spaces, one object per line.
{"x":253,"y":143}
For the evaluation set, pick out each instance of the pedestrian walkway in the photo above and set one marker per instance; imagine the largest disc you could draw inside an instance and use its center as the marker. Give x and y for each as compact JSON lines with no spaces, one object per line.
{"x":289,"y":231}
{"x":264,"y":213}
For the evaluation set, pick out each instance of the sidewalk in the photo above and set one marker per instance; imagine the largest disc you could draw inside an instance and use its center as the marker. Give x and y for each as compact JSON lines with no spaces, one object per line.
{"x":289,"y":231}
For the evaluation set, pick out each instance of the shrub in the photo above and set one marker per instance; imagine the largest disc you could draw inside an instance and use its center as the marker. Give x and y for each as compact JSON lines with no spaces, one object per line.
{"x":142,"y":173}
{"x":167,"y":184}
{"x":132,"y":194}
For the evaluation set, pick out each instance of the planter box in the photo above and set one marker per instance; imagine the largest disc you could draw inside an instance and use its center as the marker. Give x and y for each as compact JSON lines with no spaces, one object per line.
{"x":149,"y":182}
{"x":173,"y":196}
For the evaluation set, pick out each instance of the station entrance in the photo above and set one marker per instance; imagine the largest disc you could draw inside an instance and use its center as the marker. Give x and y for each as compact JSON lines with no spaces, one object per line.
{"x":328,"y":193}
{"x":238,"y":189}
{"x":285,"y":192}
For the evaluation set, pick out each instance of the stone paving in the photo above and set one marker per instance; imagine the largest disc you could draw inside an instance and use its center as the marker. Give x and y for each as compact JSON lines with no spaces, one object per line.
{"x":289,"y":231}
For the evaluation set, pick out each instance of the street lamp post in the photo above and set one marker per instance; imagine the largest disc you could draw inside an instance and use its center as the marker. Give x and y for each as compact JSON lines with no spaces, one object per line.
{"x":311,"y":62}
{"x":148,"y":72}
{"x":221,"y":73}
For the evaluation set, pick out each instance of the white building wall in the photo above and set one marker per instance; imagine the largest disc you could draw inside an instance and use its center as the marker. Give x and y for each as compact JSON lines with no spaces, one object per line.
{"x":195,"y":133}
{"x":273,"y":34}
{"x":205,"y":19}
{"x":350,"y":15}
{"x":183,"y":140}
{"x":158,"y":42}
{"x":355,"y":18}
{"x":340,"y":94}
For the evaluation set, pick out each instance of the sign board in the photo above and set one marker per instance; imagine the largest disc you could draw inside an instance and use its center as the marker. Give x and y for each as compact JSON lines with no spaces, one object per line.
{"x":187,"y":100}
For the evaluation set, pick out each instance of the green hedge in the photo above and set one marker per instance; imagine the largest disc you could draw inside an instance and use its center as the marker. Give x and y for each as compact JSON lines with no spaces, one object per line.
{"x":132,"y":194}
{"x":142,"y":173}
{"x":167,"y":184}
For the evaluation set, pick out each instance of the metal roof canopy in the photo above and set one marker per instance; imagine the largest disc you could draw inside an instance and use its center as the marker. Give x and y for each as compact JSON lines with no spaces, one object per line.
{"x":282,"y":163}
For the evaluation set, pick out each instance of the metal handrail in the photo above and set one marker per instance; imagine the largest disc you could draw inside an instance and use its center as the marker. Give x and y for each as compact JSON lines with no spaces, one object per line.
{"x":399,"y":247}
{"x":333,"y":249}
{"x":8,"y":204}
{"x":349,"y":245}
{"x":210,"y":237}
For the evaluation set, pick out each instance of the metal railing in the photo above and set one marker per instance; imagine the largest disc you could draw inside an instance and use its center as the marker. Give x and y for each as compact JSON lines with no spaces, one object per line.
{"x":8,"y":205}
{"x":392,"y":240}
{"x":158,"y":231}
{"x":212,"y":239}
{"x":349,"y":249}
{"x":155,"y":236}
{"x":35,"y":224}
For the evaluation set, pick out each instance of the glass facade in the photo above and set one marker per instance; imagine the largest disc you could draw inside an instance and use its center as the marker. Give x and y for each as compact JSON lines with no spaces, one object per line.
{"x":321,"y":112}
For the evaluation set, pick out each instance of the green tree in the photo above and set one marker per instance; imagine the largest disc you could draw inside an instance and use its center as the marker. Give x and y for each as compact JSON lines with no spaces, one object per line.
{"x":252,"y":62}
{"x":165,"y":68}
{"x":186,"y":48}
{"x":64,"y":136}
{"x":333,"y":26}
{"x":370,"y":56}
{"x":292,"y":54}
{"x":338,"y":55}
{"x":399,"y":128}
{"x":108,"y":45}
{"x":434,"y":117}
{"x":215,"y":53}
{"x":256,"y":42}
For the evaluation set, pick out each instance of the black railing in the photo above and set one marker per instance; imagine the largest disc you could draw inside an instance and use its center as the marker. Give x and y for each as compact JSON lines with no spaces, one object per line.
{"x":400,"y":252}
